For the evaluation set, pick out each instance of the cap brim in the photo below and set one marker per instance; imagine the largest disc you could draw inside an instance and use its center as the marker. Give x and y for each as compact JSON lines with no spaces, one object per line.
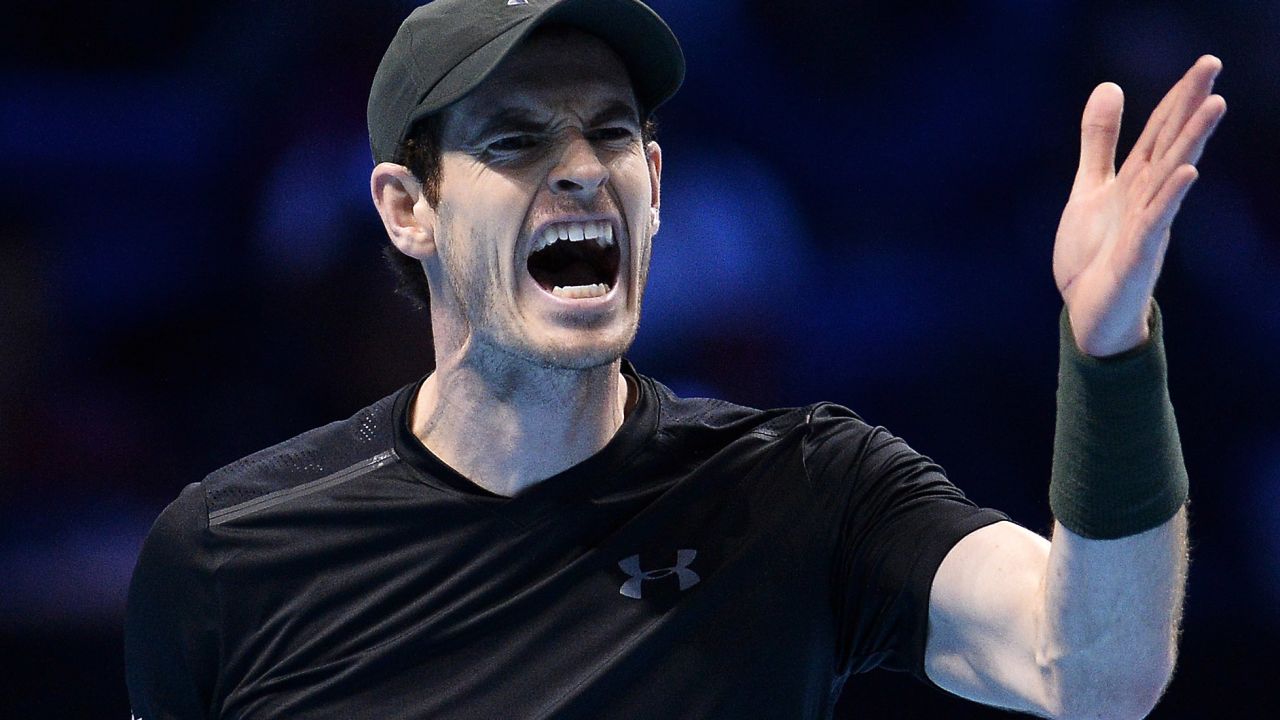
{"x":645,"y":43}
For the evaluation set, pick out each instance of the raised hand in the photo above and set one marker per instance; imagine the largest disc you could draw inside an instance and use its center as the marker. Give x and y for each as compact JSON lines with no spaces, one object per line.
{"x":1114,"y":230}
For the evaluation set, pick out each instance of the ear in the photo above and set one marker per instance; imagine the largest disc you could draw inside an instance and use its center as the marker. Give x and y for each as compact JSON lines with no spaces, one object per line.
{"x":653,"y":151}
{"x":407,"y":217}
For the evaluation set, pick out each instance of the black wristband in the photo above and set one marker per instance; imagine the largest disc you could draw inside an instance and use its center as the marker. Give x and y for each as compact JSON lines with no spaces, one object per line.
{"x":1117,"y":461}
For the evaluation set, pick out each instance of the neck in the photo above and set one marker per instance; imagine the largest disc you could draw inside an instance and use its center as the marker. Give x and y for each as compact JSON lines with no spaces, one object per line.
{"x":507,"y":426}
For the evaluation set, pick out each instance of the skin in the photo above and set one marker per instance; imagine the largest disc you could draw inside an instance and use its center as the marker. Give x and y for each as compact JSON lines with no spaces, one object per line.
{"x":527,"y":385}
{"x":1115,"y":228}
{"x":1082,"y":628}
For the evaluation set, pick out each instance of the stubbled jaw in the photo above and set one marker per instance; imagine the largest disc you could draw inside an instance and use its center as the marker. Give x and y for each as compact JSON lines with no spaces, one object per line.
{"x":575,"y":259}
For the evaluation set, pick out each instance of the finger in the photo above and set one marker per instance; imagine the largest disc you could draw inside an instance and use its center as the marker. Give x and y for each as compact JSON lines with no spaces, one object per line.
{"x":1189,"y":146}
{"x":1164,"y":206}
{"x":1142,"y":149}
{"x":1147,"y":246}
{"x":1147,"y":140}
{"x":1099,"y":132}
{"x":1199,"y":83}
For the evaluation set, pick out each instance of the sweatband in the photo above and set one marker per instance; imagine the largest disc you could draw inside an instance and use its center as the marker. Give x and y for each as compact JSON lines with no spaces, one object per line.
{"x":1117,"y":462}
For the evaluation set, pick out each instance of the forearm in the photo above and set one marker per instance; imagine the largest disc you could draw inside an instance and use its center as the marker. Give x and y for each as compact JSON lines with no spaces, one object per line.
{"x":1113,"y":587}
{"x":1110,"y":618}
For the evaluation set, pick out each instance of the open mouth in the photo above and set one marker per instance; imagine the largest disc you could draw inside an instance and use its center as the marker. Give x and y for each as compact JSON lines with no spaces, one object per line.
{"x":576,"y":259}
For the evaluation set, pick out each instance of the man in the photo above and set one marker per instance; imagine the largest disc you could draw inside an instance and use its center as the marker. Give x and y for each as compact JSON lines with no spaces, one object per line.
{"x":536,"y":530}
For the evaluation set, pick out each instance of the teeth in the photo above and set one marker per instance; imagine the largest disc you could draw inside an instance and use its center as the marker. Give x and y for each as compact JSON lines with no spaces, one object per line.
{"x":575,"y":292}
{"x":601,"y":231}
{"x":549,"y":236}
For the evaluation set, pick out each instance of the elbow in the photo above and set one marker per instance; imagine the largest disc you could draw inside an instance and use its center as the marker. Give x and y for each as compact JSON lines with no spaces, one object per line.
{"x":1107,"y":682}
{"x":1131,"y":705}
{"x":1106,"y":691}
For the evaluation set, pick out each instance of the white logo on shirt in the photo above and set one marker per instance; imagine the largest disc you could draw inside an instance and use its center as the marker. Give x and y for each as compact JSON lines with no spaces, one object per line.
{"x":631,"y":566}
{"x":517,"y":2}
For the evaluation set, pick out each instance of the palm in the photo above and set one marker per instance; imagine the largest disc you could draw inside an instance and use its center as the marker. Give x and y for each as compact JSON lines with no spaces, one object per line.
{"x":1115,"y":228}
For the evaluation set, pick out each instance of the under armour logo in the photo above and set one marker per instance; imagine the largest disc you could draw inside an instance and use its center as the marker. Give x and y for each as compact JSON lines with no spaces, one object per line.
{"x":631,"y":566}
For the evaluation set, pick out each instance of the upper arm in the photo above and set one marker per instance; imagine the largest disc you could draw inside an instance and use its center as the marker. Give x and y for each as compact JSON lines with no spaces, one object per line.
{"x":985,"y":618}
{"x":892,"y":516}
{"x":170,"y":654}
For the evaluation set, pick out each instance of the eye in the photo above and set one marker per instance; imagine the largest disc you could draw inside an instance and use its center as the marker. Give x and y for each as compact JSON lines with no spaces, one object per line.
{"x":512,"y":144}
{"x":612,"y":134}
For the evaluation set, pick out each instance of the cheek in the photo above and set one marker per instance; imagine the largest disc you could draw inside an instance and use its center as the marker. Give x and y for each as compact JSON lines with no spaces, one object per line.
{"x":636,"y":186}
{"x":485,"y":213}
{"x":635,"y":193}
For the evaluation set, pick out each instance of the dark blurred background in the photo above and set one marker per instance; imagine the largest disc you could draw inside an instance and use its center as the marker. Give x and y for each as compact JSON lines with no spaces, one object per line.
{"x":860,"y":203}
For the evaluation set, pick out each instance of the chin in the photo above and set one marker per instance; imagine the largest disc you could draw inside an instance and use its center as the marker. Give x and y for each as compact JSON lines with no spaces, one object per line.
{"x":575,"y":352}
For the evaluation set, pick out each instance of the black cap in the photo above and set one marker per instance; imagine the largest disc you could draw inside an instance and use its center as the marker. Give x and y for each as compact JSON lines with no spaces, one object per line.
{"x":444,"y":49}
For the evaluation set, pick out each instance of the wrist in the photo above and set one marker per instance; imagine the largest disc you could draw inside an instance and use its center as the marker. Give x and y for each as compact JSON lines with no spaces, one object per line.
{"x":1117,"y":462}
{"x":1111,"y":343}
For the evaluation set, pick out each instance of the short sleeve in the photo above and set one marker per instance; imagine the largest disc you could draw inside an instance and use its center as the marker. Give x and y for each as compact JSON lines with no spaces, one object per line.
{"x":896,"y":517}
{"x":170,"y":637}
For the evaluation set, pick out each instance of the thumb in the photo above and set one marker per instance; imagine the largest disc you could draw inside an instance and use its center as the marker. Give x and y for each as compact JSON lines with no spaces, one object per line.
{"x":1099,"y":132}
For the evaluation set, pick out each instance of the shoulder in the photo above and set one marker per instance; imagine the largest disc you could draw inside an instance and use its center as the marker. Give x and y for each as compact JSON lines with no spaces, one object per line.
{"x":822,"y":429}
{"x":365,"y":438}
{"x":175,"y":540}
{"x":179,"y":541}
{"x":705,"y":417}
{"x":839,"y":443}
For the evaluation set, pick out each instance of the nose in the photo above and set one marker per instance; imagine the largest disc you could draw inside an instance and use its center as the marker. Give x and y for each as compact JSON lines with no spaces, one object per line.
{"x":579,"y":171}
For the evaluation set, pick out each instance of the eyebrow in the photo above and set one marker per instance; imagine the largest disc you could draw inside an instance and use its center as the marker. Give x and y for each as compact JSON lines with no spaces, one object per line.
{"x":520,"y":119}
{"x":512,"y":118}
{"x":614,"y":111}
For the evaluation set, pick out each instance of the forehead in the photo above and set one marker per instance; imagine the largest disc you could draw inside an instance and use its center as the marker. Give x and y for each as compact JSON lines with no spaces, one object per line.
{"x":556,"y":70}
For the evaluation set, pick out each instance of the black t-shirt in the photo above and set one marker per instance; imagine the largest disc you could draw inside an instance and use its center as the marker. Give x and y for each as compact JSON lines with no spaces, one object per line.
{"x":711,"y":561}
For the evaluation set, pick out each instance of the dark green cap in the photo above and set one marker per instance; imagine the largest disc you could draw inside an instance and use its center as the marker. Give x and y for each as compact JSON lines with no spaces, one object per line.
{"x":444,"y":49}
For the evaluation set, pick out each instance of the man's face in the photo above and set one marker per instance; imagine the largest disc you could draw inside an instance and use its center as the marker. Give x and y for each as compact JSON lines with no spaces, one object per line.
{"x":548,"y":204}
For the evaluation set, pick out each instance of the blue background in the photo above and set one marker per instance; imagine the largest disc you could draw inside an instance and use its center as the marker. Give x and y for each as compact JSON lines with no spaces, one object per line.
{"x":860,"y":202}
